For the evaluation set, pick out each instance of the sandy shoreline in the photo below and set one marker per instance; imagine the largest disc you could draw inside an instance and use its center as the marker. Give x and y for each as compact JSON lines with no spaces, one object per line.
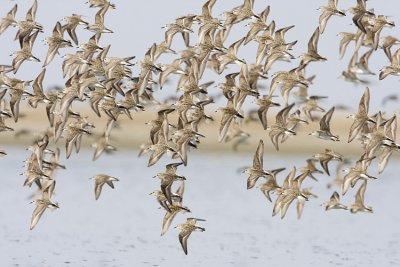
{"x":130,"y":134}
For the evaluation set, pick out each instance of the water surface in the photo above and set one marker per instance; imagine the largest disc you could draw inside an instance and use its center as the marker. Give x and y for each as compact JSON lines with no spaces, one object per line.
{"x":123,"y":227}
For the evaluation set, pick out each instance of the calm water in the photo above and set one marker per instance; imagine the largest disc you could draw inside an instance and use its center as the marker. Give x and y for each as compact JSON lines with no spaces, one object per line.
{"x":123,"y":227}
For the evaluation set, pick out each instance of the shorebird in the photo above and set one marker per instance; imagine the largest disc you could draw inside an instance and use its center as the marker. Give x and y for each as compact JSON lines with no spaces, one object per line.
{"x":101,"y":145}
{"x":244,"y":11}
{"x":289,"y":191}
{"x":324,"y":132}
{"x":229,"y":114}
{"x":53,"y":163}
{"x":72,"y":63}
{"x":173,"y":68}
{"x":311,"y":105}
{"x":388,"y":42}
{"x":99,"y":3}
{"x":98,"y":26}
{"x":293,"y":120}
{"x":91,"y":47}
{"x":384,"y":156}
{"x":334,"y":203}
{"x":361,"y":13}
{"x":167,"y":178}
{"x":377,"y":25}
{"x":9,"y":19}
{"x":338,"y":180}
{"x":359,"y":205}
{"x":170,"y":214}
{"x":38,"y":95}
{"x":325,"y":157}
{"x":29,"y":25}
{"x":383,"y":133}
{"x":265,"y":102}
{"x":359,"y":171}
{"x":257,"y":170}
{"x":55,"y":42}
{"x":229,"y":86}
{"x":183,"y":139}
{"x":361,"y":67}
{"x":33,"y":171}
{"x":182,"y":25}
{"x":186,"y":229}
{"x":288,"y":80}
{"x":75,"y":132}
{"x":361,"y":117}
{"x":100,"y":180}
{"x":310,"y":169}
{"x":280,"y":129}
{"x":301,"y":201}
{"x":259,"y":24}
{"x":327,"y":12}
{"x":25,"y":53}
{"x":71,"y":23}
{"x":17,"y":91}
{"x":41,"y":205}
{"x":271,"y":185}
{"x":346,"y":38}
{"x":350,"y":74}
{"x":3,"y":126}
{"x":230,"y":56}
{"x":312,"y":53}
{"x":177,"y":197}
{"x":393,"y":68}
{"x":161,"y":147}
{"x":243,"y":89}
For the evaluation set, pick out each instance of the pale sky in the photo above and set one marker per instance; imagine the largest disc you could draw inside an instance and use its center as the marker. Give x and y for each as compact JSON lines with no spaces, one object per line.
{"x":137,"y":24}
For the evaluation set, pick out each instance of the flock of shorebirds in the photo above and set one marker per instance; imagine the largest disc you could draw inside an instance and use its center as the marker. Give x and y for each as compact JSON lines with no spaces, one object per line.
{"x":108,"y":85}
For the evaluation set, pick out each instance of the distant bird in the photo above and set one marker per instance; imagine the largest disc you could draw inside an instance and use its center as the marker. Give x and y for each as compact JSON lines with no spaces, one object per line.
{"x":334,"y":202}
{"x":310,"y":169}
{"x":351,"y":75}
{"x":100,"y":180}
{"x":265,"y":102}
{"x":99,"y":3}
{"x":361,"y":117}
{"x":346,"y":38}
{"x":386,"y":99}
{"x":325,"y":157}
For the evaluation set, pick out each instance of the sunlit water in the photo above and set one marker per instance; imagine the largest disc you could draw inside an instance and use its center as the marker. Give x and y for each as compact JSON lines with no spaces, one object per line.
{"x":123,"y":227}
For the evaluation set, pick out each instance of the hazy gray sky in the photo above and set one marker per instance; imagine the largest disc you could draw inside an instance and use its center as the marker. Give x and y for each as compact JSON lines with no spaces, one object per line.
{"x":137,"y":24}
